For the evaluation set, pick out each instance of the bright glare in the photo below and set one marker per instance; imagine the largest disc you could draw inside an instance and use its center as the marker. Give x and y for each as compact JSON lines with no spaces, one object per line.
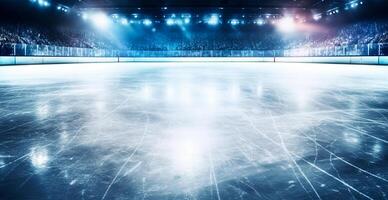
{"x":189,"y":149}
{"x":146,"y":92}
{"x":213,"y":20}
{"x":187,"y":20}
{"x":287,"y":24}
{"x":170,"y":22}
{"x":317,"y":17}
{"x":100,"y":20}
{"x":124,"y":21}
{"x":147,"y":22}
{"x":85,"y":16}
{"x":260,"y":22}
{"x":39,"y":157}
{"x":43,"y":3}
{"x":234,"y":22}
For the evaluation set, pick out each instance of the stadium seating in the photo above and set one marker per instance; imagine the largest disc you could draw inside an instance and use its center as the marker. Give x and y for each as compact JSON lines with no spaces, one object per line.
{"x":159,"y":40}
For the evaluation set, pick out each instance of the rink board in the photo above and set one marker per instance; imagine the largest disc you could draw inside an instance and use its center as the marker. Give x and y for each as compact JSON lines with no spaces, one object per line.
{"x":20,"y":60}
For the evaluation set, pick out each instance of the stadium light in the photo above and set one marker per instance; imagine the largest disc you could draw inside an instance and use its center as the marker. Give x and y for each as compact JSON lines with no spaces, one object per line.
{"x":85,"y":16}
{"x":42,"y":3}
{"x":100,"y":20}
{"x":115,"y":16}
{"x":286,"y":24}
{"x":213,"y":20}
{"x":147,"y":22}
{"x":186,"y":20}
{"x":170,"y":22}
{"x":260,"y":22}
{"x":317,"y":17}
{"x":234,"y":22}
{"x":63,"y":8}
{"x":124,"y":21}
{"x":353,"y":5}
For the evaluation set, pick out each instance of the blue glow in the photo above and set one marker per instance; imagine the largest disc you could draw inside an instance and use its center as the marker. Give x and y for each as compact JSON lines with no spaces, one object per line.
{"x":42,"y":3}
{"x":115,"y":16}
{"x":353,"y":5}
{"x":124,"y":21}
{"x":85,"y":16}
{"x":100,"y":20}
{"x":234,"y":22}
{"x":178,"y":22}
{"x":170,"y":22}
{"x":187,"y":20}
{"x":147,"y":22}
{"x":260,"y":22}
{"x":213,"y":20}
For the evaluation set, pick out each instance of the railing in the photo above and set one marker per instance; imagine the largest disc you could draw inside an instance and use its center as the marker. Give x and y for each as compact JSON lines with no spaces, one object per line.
{"x":47,"y":50}
{"x":380,"y":49}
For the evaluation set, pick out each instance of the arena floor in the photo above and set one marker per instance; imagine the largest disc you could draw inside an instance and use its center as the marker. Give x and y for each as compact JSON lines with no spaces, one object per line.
{"x":194,"y":131}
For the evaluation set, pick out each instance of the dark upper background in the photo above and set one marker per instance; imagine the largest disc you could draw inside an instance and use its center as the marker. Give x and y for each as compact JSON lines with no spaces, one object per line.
{"x":23,"y":11}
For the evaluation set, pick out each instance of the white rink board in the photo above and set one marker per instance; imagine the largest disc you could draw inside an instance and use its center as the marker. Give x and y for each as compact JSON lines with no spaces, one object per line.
{"x":19,"y":60}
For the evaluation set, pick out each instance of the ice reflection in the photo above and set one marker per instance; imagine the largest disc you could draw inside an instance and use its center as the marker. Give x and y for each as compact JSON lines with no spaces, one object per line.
{"x":185,"y":94}
{"x":234,"y":92}
{"x":63,"y":137}
{"x":351,"y":138}
{"x":259,"y":90}
{"x":211,"y":95}
{"x":239,"y":135}
{"x":39,"y":157}
{"x":170,"y":93}
{"x":42,"y":110}
{"x":189,"y":150}
{"x":302,"y":98}
{"x":377,"y":149}
{"x":146,"y":92}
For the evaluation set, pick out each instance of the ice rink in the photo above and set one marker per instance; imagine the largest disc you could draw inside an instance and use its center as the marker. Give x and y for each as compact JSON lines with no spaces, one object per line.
{"x":194,"y":131}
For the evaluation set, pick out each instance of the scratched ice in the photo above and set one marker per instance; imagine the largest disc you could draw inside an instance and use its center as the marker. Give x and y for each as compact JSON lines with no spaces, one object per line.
{"x":194,"y":131}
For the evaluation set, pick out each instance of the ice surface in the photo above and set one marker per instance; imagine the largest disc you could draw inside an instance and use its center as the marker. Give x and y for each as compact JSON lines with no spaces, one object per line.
{"x":193,"y":131}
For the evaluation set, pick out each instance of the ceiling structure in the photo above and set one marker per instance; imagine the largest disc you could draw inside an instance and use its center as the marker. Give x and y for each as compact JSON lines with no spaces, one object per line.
{"x":159,"y":9}
{"x":127,"y":4}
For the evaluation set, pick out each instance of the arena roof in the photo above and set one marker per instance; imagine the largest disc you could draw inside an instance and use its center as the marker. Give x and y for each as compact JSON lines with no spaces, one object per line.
{"x":308,"y":4}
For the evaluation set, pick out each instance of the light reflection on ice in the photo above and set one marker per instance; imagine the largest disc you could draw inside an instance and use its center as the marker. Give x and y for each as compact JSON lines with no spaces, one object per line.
{"x":215,"y":131}
{"x":146,"y":92}
{"x":42,"y":110}
{"x":259,"y":90}
{"x":211,"y":95}
{"x":234,"y":91}
{"x":188,"y":150}
{"x":169,"y":93}
{"x":39,"y":157}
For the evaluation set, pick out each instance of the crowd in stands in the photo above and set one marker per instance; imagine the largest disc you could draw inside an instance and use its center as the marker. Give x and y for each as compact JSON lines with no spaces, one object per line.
{"x":355,"y":34}
{"x":22,"y":34}
{"x":203,"y":41}
{"x":163,"y":39}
